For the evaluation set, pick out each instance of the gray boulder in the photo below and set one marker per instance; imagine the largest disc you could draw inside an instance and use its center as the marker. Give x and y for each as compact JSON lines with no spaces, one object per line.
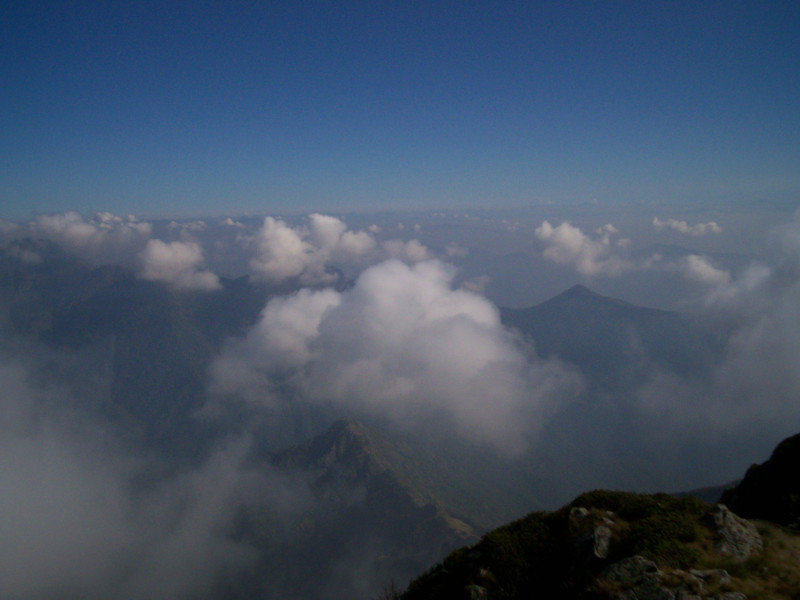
{"x":637,"y":579}
{"x":735,"y":537}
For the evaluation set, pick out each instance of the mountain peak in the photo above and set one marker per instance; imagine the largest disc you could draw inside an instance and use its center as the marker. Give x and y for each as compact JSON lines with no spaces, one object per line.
{"x":579,"y":290}
{"x":347,"y":444}
{"x":581,"y":293}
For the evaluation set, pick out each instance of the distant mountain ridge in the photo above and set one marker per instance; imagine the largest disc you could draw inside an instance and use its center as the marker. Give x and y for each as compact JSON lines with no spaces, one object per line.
{"x":371,"y":508}
{"x":611,"y":340}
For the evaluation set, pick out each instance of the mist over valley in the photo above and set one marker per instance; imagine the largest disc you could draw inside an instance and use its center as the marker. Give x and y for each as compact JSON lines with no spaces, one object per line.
{"x":347,"y":404}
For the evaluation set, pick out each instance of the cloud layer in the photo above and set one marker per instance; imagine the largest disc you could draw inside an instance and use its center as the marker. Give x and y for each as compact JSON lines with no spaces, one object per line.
{"x":405,"y":345}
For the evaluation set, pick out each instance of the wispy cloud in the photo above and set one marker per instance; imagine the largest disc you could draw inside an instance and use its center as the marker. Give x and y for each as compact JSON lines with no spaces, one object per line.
{"x":698,"y":229}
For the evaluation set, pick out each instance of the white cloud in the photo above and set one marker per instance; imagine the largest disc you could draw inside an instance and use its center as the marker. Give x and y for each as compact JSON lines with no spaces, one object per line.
{"x":103,"y":238}
{"x":683,"y":227}
{"x":196,"y":226}
{"x":281,"y":251}
{"x":568,"y":245}
{"x":699,"y":268}
{"x":284,"y":252}
{"x":404,"y":345}
{"x":279,"y":342}
{"x":411,"y":251}
{"x":178,"y":264}
{"x":755,"y":384}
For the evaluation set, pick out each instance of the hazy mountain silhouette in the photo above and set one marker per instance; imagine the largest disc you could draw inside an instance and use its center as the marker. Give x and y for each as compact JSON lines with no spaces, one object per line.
{"x":371,"y":518}
{"x":613,"y":341}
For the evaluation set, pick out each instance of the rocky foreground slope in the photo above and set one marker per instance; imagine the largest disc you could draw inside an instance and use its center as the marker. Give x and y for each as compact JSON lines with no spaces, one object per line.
{"x":626,"y":546}
{"x":622,"y":546}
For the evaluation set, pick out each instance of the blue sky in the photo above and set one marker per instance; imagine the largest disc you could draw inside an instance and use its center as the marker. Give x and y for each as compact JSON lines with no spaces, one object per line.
{"x":186,"y":108}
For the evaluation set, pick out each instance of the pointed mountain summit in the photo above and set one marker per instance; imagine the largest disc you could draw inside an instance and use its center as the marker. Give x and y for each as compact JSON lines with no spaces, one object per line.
{"x":368,"y":505}
{"x":350,"y":455}
{"x":608,"y":338}
{"x":580,"y":297}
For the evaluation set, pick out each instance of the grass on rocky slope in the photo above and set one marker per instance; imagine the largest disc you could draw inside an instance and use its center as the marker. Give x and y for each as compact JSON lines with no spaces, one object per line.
{"x":772,"y":575}
{"x":542,"y":554}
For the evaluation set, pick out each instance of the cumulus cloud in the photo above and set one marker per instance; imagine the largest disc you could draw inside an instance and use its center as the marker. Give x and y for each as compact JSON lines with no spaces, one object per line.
{"x":73,"y":231}
{"x":284,"y":252}
{"x":102,"y":238}
{"x":278,"y":343}
{"x":568,"y":245}
{"x":698,"y":229}
{"x":403,"y":344}
{"x":195,"y":226}
{"x":407,"y":251}
{"x":178,"y":264}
